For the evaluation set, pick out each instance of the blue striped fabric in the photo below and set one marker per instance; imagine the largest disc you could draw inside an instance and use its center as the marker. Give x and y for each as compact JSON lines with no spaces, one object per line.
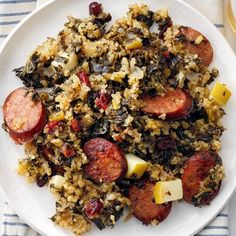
{"x":15,"y":223}
{"x":218,"y":227}
{"x":13,"y":226}
{"x":15,"y":14}
{"x":16,"y":1}
{"x":219,"y":25}
{"x":9,"y":22}
{"x":10,"y":215}
{"x":11,"y":13}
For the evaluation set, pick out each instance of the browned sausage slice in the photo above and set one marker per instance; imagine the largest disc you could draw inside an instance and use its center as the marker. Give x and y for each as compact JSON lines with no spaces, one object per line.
{"x":107,"y":162}
{"x":203,"y":48}
{"x":24,"y":115}
{"x":176,"y":104}
{"x":143,"y":204}
{"x":197,"y":169}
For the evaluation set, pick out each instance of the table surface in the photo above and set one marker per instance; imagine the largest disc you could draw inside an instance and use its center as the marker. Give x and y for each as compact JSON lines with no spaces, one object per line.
{"x":232,"y":203}
{"x":232,"y":215}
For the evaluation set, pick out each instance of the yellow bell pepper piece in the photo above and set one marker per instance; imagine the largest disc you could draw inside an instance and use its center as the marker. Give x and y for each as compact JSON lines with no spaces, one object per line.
{"x":168,"y":191}
{"x":134,"y":44}
{"x":136,"y":166}
{"x":57,"y":116}
{"x":220,"y":94}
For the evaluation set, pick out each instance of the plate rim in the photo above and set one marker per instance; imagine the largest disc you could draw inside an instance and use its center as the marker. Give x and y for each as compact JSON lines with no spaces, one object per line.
{"x":182,"y":2}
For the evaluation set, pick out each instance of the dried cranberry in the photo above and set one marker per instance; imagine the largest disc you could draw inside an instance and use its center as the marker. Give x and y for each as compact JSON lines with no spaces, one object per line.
{"x":95,"y":8}
{"x":67,"y":150}
{"x":166,"y":54}
{"x":166,"y":143}
{"x":75,"y":125}
{"x":42,"y":180}
{"x":102,"y":101}
{"x":84,"y":78}
{"x":118,"y":138}
{"x":170,"y":24}
{"x":48,"y":153}
{"x":56,"y":169}
{"x":59,"y":169}
{"x":92,"y":208}
{"x":51,"y":126}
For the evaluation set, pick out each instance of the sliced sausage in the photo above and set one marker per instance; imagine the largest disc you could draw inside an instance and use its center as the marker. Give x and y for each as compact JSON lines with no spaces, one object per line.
{"x":24,"y":115}
{"x":107,"y":162}
{"x":203,"y":48}
{"x":143,"y":204}
{"x":176,"y":104}
{"x":197,"y":169}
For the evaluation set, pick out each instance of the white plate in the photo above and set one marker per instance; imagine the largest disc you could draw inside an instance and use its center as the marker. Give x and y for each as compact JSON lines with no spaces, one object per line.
{"x":36,"y":205}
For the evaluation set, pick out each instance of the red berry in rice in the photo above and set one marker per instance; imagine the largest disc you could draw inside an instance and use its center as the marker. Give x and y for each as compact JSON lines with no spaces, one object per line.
{"x":75,"y":125}
{"x":170,"y":24}
{"x":95,"y":8}
{"x":165,"y":143}
{"x":92,"y":208}
{"x":84,"y":78}
{"x":67,"y":150}
{"x":166,"y":54}
{"x":103,"y":100}
{"x":57,"y":169}
{"x":48,"y":153}
{"x":51,"y":126}
{"x":42,"y":180}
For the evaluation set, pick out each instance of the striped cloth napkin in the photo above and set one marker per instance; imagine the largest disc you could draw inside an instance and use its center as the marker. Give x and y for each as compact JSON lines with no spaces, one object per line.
{"x":11,"y":13}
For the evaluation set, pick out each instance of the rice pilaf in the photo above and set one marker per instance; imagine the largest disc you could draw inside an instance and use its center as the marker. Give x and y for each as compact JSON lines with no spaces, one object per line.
{"x":99,"y":77}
